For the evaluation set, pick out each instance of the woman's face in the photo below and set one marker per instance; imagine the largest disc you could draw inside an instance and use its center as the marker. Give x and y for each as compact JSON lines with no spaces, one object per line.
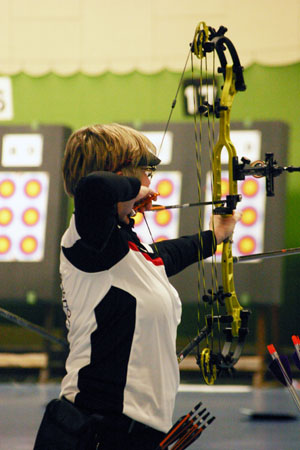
{"x":145,"y":179}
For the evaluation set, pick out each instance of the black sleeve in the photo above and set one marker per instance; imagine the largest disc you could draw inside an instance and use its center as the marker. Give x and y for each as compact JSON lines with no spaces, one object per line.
{"x":179,"y":253}
{"x":96,"y":199}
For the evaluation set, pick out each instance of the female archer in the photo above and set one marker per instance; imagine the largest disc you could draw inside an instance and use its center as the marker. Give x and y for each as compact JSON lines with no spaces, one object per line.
{"x":122,"y":311}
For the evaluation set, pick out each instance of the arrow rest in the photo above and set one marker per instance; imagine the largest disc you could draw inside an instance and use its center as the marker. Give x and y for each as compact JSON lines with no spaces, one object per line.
{"x":231,"y":202}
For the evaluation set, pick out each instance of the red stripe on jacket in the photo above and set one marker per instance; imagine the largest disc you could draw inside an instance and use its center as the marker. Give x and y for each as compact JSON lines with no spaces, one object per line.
{"x":156,"y":261}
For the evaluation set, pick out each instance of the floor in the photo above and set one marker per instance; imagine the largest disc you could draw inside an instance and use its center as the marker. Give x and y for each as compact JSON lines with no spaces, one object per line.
{"x":22,"y":406}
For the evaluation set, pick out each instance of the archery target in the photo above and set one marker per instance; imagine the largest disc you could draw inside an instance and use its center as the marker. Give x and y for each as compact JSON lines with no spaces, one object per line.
{"x":248,"y":236}
{"x":162,"y":224}
{"x":23,"y":211}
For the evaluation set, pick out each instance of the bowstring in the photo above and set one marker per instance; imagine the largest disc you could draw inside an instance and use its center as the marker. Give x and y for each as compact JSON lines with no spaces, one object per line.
{"x":197,"y":119}
{"x":174,"y":101}
{"x":150,"y":233}
{"x":164,"y":135}
{"x":201,"y":278}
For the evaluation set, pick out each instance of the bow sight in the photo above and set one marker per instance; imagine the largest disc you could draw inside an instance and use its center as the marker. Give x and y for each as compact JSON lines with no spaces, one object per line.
{"x":258,"y":169}
{"x":268,"y":168}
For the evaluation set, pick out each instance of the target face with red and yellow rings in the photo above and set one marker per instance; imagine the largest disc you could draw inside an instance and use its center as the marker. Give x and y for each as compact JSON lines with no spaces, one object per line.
{"x":247,"y":245}
{"x":250,"y":187}
{"x":28,"y":245}
{"x":33,"y":188}
{"x":249,"y":216}
{"x":165,"y":187}
{"x":5,"y":244}
{"x":6,"y":216}
{"x":7,"y":188}
{"x":163,"y":218}
{"x":31,"y":216}
{"x":23,"y":212}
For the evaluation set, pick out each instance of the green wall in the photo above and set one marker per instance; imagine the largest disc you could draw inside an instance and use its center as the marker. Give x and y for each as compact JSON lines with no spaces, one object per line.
{"x":272,"y":94}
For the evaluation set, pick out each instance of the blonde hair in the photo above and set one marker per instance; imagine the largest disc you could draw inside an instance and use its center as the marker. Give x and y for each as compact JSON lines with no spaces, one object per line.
{"x":105,"y":147}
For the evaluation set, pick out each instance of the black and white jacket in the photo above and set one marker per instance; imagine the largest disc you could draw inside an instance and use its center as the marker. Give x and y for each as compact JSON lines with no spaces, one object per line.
{"x":122,"y":313}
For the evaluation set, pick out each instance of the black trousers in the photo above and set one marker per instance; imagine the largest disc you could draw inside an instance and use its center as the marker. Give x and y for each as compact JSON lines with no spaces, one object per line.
{"x":66,"y":427}
{"x":113,"y":437}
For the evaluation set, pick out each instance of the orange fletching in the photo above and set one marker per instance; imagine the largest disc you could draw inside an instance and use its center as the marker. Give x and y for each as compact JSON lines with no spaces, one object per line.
{"x":145,"y":201}
{"x":271,"y":349}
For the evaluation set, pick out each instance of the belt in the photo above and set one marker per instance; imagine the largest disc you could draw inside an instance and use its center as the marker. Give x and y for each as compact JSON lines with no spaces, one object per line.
{"x":127,"y":424}
{"x":123,"y":422}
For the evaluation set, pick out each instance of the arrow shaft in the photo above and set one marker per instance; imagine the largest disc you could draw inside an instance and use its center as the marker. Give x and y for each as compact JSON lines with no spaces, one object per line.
{"x":184,"y":205}
{"x":31,"y":326}
{"x":266,"y":255}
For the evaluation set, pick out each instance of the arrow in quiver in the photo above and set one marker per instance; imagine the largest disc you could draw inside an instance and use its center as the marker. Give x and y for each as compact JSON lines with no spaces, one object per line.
{"x":187,"y":429}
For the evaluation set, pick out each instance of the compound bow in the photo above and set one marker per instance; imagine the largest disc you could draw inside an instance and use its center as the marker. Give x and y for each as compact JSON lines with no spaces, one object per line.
{"x":234,"y":321}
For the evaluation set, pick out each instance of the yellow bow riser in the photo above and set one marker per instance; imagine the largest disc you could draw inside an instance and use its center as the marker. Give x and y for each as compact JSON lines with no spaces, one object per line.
{"x":233,"y":307}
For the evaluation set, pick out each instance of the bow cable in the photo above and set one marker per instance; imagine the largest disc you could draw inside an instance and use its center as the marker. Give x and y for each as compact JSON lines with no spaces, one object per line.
{"x":200,"y":38}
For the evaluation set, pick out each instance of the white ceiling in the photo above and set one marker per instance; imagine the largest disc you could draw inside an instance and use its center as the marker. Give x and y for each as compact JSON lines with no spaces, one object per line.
{"x":94,"y":36}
